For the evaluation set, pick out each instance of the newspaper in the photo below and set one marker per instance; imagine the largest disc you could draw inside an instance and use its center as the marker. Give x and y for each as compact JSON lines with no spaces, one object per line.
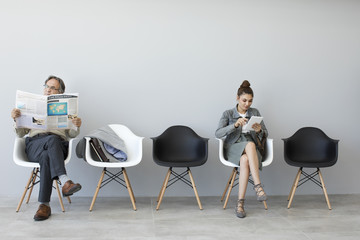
{"x":46,"y":112}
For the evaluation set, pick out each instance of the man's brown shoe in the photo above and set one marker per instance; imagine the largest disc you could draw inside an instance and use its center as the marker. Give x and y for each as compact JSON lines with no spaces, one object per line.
{"x":42,"y":213}
{"x":70,"y":188}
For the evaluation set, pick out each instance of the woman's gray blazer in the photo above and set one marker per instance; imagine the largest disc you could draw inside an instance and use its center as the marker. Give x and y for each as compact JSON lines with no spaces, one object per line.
{"x":227,"y":129}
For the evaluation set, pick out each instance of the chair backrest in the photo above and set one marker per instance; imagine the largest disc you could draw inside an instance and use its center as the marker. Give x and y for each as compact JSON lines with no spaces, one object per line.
{"x":21,"y":159}
{"x":19,"y":155}
{"x":310,"y":147}
{"x":266,"y":161}
{"x":180,"y":146}
{"x":269,"y":152}
{"x":133,"y":144}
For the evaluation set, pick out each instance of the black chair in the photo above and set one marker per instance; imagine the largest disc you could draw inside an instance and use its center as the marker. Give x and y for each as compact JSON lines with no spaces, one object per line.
{"x":310,"y":147}
{"x":179,"y":147}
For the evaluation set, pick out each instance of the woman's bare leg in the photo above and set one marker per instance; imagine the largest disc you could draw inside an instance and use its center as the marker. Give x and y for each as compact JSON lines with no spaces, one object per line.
{"x":250,"y":150}
{"x":243,"y":176}
{"x":243,"y":181}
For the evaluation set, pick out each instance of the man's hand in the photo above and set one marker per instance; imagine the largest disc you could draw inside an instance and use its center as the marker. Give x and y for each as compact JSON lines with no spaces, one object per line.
{"x":76,"y":122}
{"x":15,"y":113}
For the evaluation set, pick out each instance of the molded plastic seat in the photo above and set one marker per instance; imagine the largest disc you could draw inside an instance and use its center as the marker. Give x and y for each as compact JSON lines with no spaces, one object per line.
{"x":133,"y":146}
{"x":179,"y":147}
{"x":310,"y":147}
{"x":21,"y":159}
{"x":232,"y":182}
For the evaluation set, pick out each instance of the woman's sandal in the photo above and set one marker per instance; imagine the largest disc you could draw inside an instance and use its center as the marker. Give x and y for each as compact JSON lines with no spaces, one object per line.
{"x":260,"y":193}
{"x":239,"y":209}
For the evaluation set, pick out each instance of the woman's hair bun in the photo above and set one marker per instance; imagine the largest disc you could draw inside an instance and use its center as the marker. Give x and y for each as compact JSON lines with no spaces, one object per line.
{"x":245,"y":89}
{"x":245,"y":84}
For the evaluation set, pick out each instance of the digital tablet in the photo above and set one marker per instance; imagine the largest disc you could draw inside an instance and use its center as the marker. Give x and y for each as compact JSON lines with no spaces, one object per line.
{"x":252,"y":121}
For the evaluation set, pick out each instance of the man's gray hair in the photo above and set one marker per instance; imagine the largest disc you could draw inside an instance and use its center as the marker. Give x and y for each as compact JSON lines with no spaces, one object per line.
{"x":62,"y":84}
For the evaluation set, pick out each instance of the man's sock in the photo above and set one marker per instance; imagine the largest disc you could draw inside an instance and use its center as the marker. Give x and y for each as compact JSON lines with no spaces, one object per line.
{"x":45,"y":203}
{"x":64,"y":178}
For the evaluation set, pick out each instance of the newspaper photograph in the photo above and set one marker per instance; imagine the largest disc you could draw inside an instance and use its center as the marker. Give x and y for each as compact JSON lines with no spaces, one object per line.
{"x":46,"y":112}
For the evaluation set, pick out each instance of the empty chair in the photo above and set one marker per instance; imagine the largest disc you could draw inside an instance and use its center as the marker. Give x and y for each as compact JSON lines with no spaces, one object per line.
{"x":310,"y":147}
{"x":133,"y":146}
{"x":21,"y":159}
{"x":179,"y":147}
{"x":233,"y":180}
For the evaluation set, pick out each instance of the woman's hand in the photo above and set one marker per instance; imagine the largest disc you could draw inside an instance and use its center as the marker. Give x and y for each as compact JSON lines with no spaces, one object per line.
{"x":15,"y":113}
{"x":240,"y":122}
{"x":256,"y":127}
{"x":76,"y":122}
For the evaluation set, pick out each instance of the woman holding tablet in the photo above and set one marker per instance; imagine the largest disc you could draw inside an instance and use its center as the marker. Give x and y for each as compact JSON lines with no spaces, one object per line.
{"x":239,"y":143}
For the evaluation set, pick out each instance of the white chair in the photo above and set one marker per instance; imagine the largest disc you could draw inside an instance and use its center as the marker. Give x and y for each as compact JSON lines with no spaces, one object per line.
{"x":133,"y":146}
{"x":230,"y":183}
{"x":21,"y":159}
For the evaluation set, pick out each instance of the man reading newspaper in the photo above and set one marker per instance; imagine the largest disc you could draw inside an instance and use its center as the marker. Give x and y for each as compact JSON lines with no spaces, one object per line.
{"x":48,"y":145}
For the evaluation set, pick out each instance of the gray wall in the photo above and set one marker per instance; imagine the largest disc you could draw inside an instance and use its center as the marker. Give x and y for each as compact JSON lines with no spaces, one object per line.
{"x":153,"y":64}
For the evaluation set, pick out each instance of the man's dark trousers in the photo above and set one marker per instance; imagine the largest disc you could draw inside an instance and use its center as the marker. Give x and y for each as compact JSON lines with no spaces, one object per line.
{"x":49,"y":150}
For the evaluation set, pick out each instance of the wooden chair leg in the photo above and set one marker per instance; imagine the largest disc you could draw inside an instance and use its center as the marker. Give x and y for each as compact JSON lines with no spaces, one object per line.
{"x":31,"y":186}
{"x":324,"y":189}
{"x":25,"y":190}
{"x":228,"y":184}
{"x":265,"y":205}
{"x":194,"y":187}
{"x":162,"y":191}
{"x":230,"y":188}
{"x":97,"y":189}
{"x":59,"y":195}
{"x":132,"y":198}
{"x":126,"y":176}
{"x":163,"y":185}
{"x":293,"y":189}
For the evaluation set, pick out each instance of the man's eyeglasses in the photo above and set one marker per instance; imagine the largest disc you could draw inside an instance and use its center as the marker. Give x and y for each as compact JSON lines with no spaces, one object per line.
{"x":51,"y":87}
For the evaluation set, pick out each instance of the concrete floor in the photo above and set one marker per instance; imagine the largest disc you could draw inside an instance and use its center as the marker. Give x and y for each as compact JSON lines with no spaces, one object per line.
{"x":180,"y":218}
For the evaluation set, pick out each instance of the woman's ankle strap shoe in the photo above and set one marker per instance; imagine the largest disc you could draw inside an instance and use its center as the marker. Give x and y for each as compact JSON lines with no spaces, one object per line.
{"x":239,"y":209}
{"x":260,"y":193}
